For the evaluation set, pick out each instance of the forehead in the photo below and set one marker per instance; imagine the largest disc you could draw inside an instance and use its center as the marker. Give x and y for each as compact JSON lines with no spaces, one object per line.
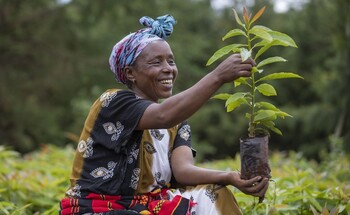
{"x":157,"y":48}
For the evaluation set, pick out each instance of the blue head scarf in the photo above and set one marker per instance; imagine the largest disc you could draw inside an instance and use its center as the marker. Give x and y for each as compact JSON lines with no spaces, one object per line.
{"x":125,"y":52}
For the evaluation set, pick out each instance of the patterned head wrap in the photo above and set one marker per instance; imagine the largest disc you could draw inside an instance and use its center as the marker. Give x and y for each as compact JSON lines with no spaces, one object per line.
{"x":125,"y":52}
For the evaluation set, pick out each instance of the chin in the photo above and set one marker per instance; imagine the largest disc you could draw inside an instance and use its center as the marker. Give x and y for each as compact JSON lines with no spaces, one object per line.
{"x":166,"y":95}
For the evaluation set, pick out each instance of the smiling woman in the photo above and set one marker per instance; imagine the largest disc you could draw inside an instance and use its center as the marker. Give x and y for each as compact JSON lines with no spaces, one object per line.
{"x":154,"y":72}
{"x":134,"y":154}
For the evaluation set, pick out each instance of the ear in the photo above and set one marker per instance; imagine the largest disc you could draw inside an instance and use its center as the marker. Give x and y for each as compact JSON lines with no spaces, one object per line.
{"x":129,"y":73}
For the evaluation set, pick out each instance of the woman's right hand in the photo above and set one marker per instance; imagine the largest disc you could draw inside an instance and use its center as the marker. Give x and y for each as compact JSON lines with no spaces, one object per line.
{"x":256,"y":186}
{"x":233,"y":67}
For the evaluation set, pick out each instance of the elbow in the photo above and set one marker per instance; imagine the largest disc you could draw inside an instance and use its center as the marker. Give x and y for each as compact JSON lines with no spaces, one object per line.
{"x":166,"y":120}
{"x":181,"y":176}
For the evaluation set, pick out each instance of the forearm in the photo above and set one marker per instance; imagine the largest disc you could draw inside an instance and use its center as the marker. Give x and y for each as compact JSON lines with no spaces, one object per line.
{"x":180,"y":107}
{"x":184,"y":104}
{"x":193,"y":175}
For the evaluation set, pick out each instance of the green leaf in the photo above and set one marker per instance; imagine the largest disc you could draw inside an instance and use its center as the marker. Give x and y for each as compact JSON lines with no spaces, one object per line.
{"x":223,"y":51}
{"x":271,"y":126}
{"x":262,"y":50}
{"x":266,"y":45}
{"x":282,"y":114}
{"x":222,"y":96}
{"x":265,"y":115}
{"x":315,"y":203}
{"x":271,"y":60}
{"x":284,"y":38}
{"x":259,"y":44}
{"x":262,"y":33}
{"x":239,"y":81}
{"x":245,"y":54}
{"x":235,"y":101}
{"x":233,"y":105}
{"x":266,"y":89}
{"x":234,"y":32}
{"x":262,"y":27}
{"x":234,"y":97}
{"x":279,"y":75}
{"x":238,"y":20}
{"x":267,"y":105}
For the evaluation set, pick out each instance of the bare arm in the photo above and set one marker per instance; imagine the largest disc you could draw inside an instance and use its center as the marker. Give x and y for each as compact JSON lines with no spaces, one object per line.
{"x":181,"y":106}
{"x":185,"y":172}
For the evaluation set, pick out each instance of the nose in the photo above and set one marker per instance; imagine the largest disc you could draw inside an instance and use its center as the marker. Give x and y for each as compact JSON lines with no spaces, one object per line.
{"x":167,"y":67}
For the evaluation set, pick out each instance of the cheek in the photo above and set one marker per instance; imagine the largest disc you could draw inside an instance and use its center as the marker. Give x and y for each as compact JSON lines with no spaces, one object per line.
{"x":176,"y":72}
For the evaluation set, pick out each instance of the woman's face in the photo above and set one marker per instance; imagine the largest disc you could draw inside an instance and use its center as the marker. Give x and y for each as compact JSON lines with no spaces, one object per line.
{"x":154,"y":71}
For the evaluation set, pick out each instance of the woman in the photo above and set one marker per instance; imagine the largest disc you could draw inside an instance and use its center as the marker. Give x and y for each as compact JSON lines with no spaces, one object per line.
{"x":134,"y":154}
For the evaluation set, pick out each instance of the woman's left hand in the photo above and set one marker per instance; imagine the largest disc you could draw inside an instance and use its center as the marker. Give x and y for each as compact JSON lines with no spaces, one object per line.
{"x":256,"y":186}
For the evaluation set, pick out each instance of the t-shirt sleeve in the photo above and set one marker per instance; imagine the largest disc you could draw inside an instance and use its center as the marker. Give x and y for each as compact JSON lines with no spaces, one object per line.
{"x":119,"y":115}
{"x":183,"y":137}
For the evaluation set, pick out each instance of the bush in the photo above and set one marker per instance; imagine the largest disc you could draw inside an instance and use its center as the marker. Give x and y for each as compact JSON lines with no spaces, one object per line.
{"x":35,"y":183}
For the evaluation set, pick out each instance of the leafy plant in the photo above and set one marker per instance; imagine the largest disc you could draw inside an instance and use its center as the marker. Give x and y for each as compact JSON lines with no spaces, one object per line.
{"x":259,"y":39}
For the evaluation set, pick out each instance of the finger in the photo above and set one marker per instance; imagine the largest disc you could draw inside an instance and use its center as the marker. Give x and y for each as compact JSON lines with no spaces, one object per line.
{"x":250,"y":182}
{"x":256,"y":188}
{"x":250,"y":61}
{"x":245,"y":66}
{"x":263,"y":191}
{"x":244,"y":73}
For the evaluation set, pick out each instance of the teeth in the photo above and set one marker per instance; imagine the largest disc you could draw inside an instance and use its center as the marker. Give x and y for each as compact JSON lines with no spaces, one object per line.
{"x":169,"y":81}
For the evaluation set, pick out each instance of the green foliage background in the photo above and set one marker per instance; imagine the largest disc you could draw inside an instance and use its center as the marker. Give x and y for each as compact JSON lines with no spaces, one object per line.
{"x":54,"y":64}
{"x":35,"y":183}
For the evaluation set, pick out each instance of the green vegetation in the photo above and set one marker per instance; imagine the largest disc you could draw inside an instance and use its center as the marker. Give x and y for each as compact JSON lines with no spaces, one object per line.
{"x":54,"y":64}
{"x":259,"y":39}
{"x":35,"y":183}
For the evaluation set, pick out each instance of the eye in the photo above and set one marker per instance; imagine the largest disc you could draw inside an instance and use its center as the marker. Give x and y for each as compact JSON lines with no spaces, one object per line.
{"x":155,"y":62}
{"x":171,"y":62}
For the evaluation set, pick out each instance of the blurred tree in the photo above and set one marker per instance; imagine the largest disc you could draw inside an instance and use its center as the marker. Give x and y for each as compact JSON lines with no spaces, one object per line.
{"x":54,"y":64}
{"x":34,"y":37}
{"x":321,"y":102}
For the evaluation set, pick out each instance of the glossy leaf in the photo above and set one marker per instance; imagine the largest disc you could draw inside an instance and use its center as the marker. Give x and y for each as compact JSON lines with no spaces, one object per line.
{"x":238,"y":20}
{"x":245,"y":16}
{"x":234,"y":97}
{"x":223,"y":51}
{"x":222,"y":96}
{"x":284,"y":38}
{"x":282,"y":114}
{"x":262,"y":50}
{"x":262,"y":27}
{"x":261,"y":33}
{"x":257,"y":15}
{"x":267,"y":105}
{"x":265,"y":115}
{"x":234,"y":32}
{"x":266,"y":89}
{"x":279,"y":75}
{"x":271,"y":60}
{"x":235,"y":101}
{"x":266,"y":45}
{"x":233,"y":105}
{"x":241,"y":80}
{"x":271,"y":126}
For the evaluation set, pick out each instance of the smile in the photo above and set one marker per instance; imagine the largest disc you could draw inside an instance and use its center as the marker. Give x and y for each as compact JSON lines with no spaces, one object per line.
{"x":167,"y":81}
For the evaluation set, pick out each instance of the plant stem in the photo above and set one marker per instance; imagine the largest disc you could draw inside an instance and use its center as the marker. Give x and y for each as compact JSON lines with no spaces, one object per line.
{"x":251,"y":128}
